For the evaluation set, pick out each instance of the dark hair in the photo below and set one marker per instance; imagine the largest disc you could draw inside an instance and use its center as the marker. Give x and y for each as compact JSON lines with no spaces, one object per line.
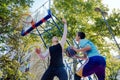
{"x":81,"y":35}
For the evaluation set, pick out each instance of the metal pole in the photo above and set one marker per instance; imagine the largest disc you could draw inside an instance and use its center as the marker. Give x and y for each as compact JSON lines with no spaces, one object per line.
{"x":110,"y":31}
{"x":41,"y":37}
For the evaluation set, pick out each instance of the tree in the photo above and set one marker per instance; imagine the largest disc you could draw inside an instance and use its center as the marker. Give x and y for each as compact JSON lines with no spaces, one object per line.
{"x":11,"y":42}
{"x":81,"y":16}
{"x":10,"y":13}
{"x":10,"y":69}
{"x":113,"y":21}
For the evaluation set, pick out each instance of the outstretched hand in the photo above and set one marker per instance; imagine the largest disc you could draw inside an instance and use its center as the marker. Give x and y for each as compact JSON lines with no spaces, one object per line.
{"x":38,"y":51}
{"x":64,"y":21}
{"x":74,"y":48}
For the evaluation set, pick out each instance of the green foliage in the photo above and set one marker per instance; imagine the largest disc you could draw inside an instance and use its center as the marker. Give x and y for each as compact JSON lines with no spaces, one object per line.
{"x":10,"y":69}
{"x":81,"y":16}
{"x":114,"y":20}
{"x":55,"y":31}
{"x":11,"y":42}
{"x":113,"y":65}
{"x":10,"y":13}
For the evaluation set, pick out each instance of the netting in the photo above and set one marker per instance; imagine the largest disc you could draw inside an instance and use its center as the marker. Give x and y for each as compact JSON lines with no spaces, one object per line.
{"x":41,"y":12}
{"x":40,"y":16}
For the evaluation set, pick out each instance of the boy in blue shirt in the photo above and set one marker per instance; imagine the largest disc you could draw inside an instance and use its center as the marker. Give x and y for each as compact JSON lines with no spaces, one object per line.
{"x":95,"y":63}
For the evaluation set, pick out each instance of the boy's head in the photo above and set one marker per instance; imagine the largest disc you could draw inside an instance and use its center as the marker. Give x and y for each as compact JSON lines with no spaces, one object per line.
{"x":54,"y":39}
{"x":80,"y":35}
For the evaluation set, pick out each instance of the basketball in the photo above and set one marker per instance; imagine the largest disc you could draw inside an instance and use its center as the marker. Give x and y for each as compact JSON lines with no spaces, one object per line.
{"x":70,"y":52}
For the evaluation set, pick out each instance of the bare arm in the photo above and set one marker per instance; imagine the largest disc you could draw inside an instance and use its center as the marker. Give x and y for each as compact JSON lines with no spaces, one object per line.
{"x":82,"y":49}
{"x":63,"y":40}
{"x":84,"y":57}
{"x":42,"y":55}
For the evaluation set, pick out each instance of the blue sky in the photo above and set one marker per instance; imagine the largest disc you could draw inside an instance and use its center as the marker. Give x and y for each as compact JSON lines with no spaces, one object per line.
{"x":37,"y":4}
{"x":111,"y":4}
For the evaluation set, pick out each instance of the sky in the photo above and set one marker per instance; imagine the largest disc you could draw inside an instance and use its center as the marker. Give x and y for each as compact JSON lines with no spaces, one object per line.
{"x":37,"y":4}
{"x":111,"y":4}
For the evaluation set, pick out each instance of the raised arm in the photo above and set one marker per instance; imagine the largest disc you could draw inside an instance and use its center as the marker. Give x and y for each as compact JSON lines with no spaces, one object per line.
{"x":42,"y":55}
{"x":64,"y":37}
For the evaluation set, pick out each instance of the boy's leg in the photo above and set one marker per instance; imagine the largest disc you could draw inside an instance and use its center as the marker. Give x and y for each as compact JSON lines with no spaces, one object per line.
{"x":90,"y":67}
{"x":61,"y":73}
{"x":79,"y":73}
{"x":48,"y":75}
{"x":76,"y":77}
{"x":101,"y":73}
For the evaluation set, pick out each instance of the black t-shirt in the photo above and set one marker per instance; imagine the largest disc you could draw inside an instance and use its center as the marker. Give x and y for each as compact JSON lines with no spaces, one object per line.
{"x":56,"y":56}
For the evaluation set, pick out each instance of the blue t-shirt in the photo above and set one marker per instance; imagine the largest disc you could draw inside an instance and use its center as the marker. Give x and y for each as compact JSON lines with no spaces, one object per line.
{"x":93,"y":52}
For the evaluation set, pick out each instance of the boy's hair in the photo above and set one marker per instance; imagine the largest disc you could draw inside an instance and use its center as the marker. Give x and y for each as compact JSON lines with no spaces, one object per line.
{"x":81,"y":35}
